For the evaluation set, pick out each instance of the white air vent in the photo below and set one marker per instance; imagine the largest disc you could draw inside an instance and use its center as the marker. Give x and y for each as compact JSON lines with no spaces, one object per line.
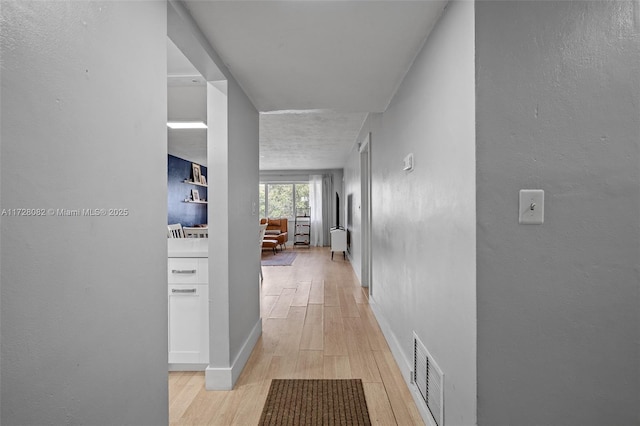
{"x":429,"y":380}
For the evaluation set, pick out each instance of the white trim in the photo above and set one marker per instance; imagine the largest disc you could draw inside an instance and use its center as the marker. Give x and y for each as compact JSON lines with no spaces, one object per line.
{"x":403,"y":362}
{"x":245,"y":351}
{"x":218,"y":378}
{"x":356,"y":144}
{"x":365,"y":143}
{"x":224,"y":378}
{"x":187,"y":367}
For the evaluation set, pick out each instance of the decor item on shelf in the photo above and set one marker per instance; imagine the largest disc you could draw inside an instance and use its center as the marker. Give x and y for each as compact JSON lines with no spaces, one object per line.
{"x":195,"y":196}
{"x":195,"y":168}
{"x":203,"y":179}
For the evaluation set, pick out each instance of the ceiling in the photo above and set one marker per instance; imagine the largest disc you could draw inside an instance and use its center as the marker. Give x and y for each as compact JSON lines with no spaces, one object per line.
{"x":314,"y":69}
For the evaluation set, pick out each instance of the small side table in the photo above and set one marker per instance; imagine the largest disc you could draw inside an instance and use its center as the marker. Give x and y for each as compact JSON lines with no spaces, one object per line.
{"x":339,"y":241}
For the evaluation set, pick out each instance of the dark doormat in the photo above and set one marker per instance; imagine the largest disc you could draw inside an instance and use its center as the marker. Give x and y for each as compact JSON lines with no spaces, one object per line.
{"x":315,"y":402}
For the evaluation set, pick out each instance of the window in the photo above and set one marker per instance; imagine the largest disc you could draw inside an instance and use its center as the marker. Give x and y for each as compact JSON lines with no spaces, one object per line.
{"x":302,"y":199}
{"x":284,"y":199}
{"x":263,"y":200}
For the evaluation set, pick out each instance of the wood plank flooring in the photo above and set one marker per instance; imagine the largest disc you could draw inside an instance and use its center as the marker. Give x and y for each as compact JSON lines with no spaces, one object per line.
{"x":316,"y":324}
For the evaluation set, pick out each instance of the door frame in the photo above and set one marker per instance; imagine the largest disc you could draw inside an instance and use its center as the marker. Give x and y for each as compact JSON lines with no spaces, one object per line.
{"x":365,"y":219}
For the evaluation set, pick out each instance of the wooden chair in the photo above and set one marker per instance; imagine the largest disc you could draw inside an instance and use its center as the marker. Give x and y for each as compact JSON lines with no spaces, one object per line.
{"x":175,"y":231}
{"x":196,"y":232}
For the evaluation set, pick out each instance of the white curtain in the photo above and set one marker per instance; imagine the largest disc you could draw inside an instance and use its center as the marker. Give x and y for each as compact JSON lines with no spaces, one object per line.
{"x":315,"y":204}
{"x":327,"y":207}
{"x":320,"y":202}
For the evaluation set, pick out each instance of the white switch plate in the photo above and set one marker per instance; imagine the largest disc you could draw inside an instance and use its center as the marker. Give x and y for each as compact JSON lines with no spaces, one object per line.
{"x":408,"y":163}
{"x":531,"y":207}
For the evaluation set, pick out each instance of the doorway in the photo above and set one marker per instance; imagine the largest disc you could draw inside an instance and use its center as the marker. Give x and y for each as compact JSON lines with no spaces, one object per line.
{"x":365,"y":200}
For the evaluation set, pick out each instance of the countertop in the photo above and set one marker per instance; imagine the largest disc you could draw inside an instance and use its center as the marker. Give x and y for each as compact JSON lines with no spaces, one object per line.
{"x":188,"y":247}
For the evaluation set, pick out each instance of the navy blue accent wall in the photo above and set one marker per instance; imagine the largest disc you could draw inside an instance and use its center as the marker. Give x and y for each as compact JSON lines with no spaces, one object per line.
{"x":187,"y":214}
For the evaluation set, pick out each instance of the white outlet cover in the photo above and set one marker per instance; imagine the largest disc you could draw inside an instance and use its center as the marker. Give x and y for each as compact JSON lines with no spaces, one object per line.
{"x":531,"y":207}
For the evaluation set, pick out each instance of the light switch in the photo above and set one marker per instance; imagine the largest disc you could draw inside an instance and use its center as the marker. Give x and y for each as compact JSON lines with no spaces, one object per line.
{"x":531,"y":207}
{"x":407,"y":163}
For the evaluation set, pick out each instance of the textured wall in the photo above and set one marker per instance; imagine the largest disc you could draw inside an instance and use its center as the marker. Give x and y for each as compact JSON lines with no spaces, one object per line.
{"x":84,"y":303}
{"x":424,"y":221}
{"x":177,"y":210}
{"x":558,"y":109}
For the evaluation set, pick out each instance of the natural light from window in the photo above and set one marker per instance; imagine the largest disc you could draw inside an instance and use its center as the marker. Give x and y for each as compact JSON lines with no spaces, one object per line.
{"x":284,"y":199}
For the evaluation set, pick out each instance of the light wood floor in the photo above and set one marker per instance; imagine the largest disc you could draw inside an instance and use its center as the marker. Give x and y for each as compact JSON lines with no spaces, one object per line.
{"x":316,"y":324}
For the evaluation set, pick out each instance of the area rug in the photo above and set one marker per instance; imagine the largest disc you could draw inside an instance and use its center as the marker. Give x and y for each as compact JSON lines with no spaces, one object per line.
{"x":282,"y":258}
{"x":315,"y":402}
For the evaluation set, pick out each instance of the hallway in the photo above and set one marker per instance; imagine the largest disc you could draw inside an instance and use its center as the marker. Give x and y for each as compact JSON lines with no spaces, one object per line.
{"x":316,"y":324}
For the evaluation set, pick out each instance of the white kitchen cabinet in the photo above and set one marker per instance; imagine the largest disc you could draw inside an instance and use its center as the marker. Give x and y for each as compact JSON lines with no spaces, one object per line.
{"x":188,"y":312}
{"x":188,"y":324}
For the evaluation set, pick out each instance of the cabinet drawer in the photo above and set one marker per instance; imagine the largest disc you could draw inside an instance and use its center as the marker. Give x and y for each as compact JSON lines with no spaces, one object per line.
{"x":188,"y":270}
{"x":188,"y":324}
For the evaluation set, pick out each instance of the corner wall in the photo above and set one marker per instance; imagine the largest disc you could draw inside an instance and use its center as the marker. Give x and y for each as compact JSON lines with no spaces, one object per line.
{"x":233,"y":154}
{"x":234,"y":305}
{"x":424,"y":221}
{"x":83,"y":126}
{"x":244,"y":284}
{"x":558,"y":109}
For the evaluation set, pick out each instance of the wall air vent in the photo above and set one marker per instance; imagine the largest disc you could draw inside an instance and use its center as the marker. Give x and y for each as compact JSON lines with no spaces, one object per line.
{"x":429,"y":380}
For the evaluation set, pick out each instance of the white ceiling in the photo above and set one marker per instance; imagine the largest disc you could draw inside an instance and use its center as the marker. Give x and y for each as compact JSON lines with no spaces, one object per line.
{"x":309,"y":139}
{"x":330,"y":61}
{"x":187,"y":101}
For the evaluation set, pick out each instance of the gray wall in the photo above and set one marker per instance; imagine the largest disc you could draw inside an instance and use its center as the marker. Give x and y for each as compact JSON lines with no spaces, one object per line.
{"x":244,"y":288}
{"x":353,"y":191}
{"x":84,"y":305}
{"x":424,"y":221}
{"x":558,"y":91}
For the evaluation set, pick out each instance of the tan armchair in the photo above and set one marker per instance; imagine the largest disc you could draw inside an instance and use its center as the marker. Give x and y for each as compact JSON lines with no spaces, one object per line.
{"x":277,"y":229}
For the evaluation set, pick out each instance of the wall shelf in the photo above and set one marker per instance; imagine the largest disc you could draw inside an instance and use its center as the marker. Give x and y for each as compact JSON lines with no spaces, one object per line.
{"x":190,"y":182}
{"x":195,"y":202}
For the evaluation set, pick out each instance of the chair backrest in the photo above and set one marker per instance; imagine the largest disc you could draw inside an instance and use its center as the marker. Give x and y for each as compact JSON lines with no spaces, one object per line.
{"x":263,"y":228}
{"x":196,"y":232}
{"x":175,"y":231}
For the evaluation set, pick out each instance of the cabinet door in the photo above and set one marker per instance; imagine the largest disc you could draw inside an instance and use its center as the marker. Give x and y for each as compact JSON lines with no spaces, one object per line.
{"x":338,"y":240}
{"x":188,"y":324}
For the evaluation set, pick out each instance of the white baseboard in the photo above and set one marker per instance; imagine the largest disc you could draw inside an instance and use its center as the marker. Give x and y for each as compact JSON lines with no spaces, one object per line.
{"x":224,"y":378}
{"x":218,"y":378}
{"x":404,"y":362}
{"x":187,"y":367}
